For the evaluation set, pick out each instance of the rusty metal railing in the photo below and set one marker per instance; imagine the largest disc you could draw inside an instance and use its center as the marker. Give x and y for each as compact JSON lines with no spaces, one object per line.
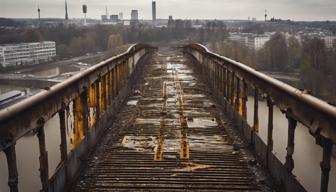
{"x":230,"y":80}
{"x":92,"y":94}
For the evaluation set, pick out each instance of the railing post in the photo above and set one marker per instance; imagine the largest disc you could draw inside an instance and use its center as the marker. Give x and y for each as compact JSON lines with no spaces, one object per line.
{"x":97,"y":92}
{"x":256,"y":116}
{"x":237,"y":102}
{"x":325,"y":163}
{"x":289,"y":164}
{"x":63,"y":145}
{"x":12,"y":168}
{"x":244,"y":100}
{"x":104,"y":98}
{"x":227,"y":85}
{"x":108,"y":84}
{"x":111,"y":87}
{"x":270,"y":130}
{"x":232,"y":88}
{"x":85,"y":111}
{"x":221,"y":80}
{"x":117,"y":79}
{"x":44,"y":172}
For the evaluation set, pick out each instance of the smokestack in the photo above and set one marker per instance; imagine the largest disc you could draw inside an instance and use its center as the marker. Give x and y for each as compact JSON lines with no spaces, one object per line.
{"x":66,"y":10}
{"x":154,"y":13}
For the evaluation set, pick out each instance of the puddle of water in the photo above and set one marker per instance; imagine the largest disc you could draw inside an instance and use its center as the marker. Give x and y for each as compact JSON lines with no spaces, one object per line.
{"x":132,"y":102}
{"x":194,"y":96}
{"x":139,"y":143}
{"x":141,"y":121}
{"x":202,"y":122}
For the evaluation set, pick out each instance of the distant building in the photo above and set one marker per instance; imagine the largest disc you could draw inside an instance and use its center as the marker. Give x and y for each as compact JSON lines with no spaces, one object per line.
{"x":257,"y":42}
{"x":253,"y":41}
{"x":134,"y":18}
{"x":154,"y":13}
{"x":104,"y":18}
{"x":27,"y":53}
{"x":170,"y":22}
{"x":114,"y":18}
{"x":330,"y":41}
{"x":134,"y":15}
{"x":121,"y":16}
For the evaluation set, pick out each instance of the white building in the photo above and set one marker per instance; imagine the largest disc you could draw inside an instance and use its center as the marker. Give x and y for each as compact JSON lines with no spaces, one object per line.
{"x":27,"y":53}
{"x":253,"y":41}
{"x":257,"y":42}
{"x":330,"y":41}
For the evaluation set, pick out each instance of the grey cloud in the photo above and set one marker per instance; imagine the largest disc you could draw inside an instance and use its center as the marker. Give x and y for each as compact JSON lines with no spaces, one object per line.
{"x":220,"y":9}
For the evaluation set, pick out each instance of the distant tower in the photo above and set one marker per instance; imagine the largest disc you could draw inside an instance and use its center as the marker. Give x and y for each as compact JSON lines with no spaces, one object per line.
{"x":106,"y":13}
{"x":39,"y":13}
{"x":84,"y":12}
{"x":265,"y":15}
{"x":154,"y":13}
{"x":66,"y":11}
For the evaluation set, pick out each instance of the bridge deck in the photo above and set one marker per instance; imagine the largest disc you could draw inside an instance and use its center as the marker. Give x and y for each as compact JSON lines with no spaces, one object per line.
{"x":170,"y":136}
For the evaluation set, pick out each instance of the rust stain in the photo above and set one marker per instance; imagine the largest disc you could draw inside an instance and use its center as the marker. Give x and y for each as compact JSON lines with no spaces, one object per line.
{"x":190,"y":166}
{"x":158,"y":150}
{"x":78,"y":131}
{"x":184,"y":143}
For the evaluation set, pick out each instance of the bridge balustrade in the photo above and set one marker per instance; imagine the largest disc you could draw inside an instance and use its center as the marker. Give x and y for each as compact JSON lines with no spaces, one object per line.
{"x":230,"y":81}
{"x":91,"y":97}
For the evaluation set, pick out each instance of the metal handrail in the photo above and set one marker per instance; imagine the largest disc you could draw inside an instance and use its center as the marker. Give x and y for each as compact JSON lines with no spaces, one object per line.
{"x":9,"y":133}
{"x":105,"y":84}
{"x":229,"y":80}
{"x":325,"y":110}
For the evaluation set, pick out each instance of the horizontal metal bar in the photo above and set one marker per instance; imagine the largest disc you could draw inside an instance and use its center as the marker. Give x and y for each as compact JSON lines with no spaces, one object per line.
{"x":317,"y":115}
{"x":20,"y":118}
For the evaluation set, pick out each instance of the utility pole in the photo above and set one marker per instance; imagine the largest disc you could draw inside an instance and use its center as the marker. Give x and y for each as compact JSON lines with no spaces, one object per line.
{"x":39,"y":15}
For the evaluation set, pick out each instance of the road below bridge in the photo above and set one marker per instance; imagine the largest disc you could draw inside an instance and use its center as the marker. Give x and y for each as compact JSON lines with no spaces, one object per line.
{"x":170,"y":135}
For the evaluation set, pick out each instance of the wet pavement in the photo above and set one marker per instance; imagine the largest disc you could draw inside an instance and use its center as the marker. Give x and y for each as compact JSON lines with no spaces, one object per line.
{"x":170,"y":136}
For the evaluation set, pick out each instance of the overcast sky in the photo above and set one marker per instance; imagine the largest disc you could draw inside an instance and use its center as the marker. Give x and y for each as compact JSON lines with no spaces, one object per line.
{"x":185,"y":9}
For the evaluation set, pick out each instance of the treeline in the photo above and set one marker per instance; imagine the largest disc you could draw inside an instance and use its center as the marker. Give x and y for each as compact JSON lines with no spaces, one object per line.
{"x":310,"y":57}
{"x":72,"y":40}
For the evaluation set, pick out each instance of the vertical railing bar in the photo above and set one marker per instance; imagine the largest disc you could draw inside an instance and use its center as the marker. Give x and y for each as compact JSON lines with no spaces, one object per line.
{"x":244,"y":99}
{"x":104,"y":99}
{"x":85,"y":111}
{"x":12,"y":168}
{"x":255,"y":115}
{"x":232,"y":91}
{"x":63,"y":145}
{"x":44,"y":172}
{"x":270,"y":130}
{"x":237,"y":102}
{"x":97,"y":92}
{"x":325,"y":164}
{"x":108,"y":82}
{"x":289,"y":164}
